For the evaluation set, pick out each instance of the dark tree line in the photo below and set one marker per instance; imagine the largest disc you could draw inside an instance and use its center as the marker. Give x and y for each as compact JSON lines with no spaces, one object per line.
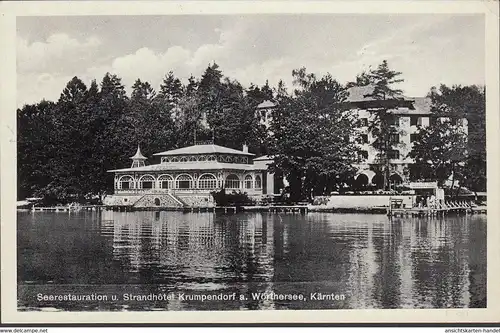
{"x":66,"y":147}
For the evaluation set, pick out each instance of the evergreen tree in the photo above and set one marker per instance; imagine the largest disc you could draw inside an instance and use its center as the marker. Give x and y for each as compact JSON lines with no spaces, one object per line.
{"x":171,"y":90}
{"x":384,"y":127}
{"x":192,"y":86}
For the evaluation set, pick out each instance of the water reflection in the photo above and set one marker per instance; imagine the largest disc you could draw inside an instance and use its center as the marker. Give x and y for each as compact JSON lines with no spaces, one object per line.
{"x":375,"y":262}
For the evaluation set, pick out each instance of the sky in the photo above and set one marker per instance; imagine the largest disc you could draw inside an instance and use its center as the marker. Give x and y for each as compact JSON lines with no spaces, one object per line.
{"x":429,"y":49}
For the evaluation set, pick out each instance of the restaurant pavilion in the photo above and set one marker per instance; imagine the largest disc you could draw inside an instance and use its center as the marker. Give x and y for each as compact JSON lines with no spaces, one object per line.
{"x":185,"y":177}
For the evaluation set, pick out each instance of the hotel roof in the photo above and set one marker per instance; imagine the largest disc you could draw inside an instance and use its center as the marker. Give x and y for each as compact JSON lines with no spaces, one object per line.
{"x":266,"y":104}
{"x":420,"y":105}
{"x":360,"y":94}
{"x":184,"y":166}
{"x":203,"y":149}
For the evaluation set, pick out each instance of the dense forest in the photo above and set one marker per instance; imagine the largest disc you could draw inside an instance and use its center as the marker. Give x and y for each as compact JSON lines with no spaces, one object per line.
{"x":66,"y":147}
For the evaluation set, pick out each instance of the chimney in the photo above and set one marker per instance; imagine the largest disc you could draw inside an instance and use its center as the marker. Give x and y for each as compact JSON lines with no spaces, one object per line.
{"x":245,"y":148}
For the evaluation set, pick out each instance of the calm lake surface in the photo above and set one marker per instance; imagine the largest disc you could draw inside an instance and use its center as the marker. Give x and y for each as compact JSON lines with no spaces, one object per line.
{"x":360,"y":261}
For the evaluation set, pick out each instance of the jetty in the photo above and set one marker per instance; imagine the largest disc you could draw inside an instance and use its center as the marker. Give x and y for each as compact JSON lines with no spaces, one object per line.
{"x":397,"y":209}
{"x":67,"y":208}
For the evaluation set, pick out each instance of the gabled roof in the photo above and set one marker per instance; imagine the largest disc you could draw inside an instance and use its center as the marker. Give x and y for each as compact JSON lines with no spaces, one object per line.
{"x":359,"y":94}
{"x":203,"y":149}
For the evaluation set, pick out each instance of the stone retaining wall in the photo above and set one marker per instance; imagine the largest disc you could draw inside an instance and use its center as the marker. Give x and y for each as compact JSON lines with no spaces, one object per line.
{"x":364,"y":201}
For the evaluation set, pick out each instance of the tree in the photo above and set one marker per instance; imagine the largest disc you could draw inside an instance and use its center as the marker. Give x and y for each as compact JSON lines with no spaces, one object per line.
{"x":171,"y":90}
{"x":209,"y":92}
{"x":192,"y":86}
{"x":362,"y":79}
{"x":35,"y":147}
{"x":311,"y":136}
{"x":383,"y":127}
{"x":438,"y":152}
{"x":457,"y":103}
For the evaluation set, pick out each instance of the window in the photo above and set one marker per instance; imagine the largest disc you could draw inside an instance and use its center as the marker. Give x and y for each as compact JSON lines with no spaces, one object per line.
{"x":414,"y":121}
{"x":232,"y":181}
{"x":364,"y":138}
{"x":184,"y":182}
{"x":258,"y":182}
{"x":413,"y":137}
{"x":394,"y":121}
{"x":363,"y":122}
{"x":393,"y":154}
{"x":165,"y":181}
{"x":248,"y":181}
{"x":207,"y":181}
{"x":157,"y":201}
{"x":394,"y":138}
{"x":146,"y":182}
{"x":183,"y":159}
{"x":363,"y":154}
{"x":421,"y":120}
{"x":126,"y":182}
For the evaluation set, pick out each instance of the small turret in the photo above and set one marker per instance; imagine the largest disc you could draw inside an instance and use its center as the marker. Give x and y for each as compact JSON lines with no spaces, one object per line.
{"x":138,"y":160}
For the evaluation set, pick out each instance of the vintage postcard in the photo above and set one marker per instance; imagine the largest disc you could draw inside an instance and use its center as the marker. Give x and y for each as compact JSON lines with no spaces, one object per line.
{"x":248,"y":162}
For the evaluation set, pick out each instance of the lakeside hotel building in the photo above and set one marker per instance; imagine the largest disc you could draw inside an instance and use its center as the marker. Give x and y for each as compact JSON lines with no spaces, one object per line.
{"x":185,"y":177}
{"x":410,"y":113}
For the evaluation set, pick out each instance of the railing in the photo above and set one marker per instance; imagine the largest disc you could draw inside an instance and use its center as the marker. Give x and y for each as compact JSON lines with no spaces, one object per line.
{"x":182,"y":191}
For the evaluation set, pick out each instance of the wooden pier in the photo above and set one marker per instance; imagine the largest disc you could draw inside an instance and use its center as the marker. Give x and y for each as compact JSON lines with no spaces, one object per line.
{"x":67,"y":209}
{"x":459,"y":208}
{"x":302,"y":209}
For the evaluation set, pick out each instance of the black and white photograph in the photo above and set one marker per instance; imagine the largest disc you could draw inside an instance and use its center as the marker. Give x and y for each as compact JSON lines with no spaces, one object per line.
{"x":251,"y":161}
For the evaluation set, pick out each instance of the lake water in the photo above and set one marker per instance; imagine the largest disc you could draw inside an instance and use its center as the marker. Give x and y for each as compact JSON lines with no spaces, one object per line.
{"x":205,"y":261}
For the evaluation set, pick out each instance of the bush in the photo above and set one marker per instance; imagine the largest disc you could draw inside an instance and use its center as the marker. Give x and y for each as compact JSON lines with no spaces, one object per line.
{"x":234,"y":198}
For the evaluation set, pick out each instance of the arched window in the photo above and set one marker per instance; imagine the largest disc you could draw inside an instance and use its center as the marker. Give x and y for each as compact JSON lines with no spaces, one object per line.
{"x":248,"y":181}
{"x":175,"y":159}
{"x":207,"y":181}
{"x":212,"y":158}
{"x":183,"y":159}
{"x":157,"y":202}
{"x":146,"y":181}
{"x":396,"y":179}
{"x":126,"y":182}
{"x":258,"y":182}
{"x":232,"y":181}
{"x":184,"y":182}
{"x":192,"y":159}
{"x":165,"y":181}
{"x":361,"y":181}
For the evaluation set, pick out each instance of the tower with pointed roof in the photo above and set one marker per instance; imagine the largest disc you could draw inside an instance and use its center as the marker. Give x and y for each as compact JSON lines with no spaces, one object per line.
{"x":138,"y":160}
